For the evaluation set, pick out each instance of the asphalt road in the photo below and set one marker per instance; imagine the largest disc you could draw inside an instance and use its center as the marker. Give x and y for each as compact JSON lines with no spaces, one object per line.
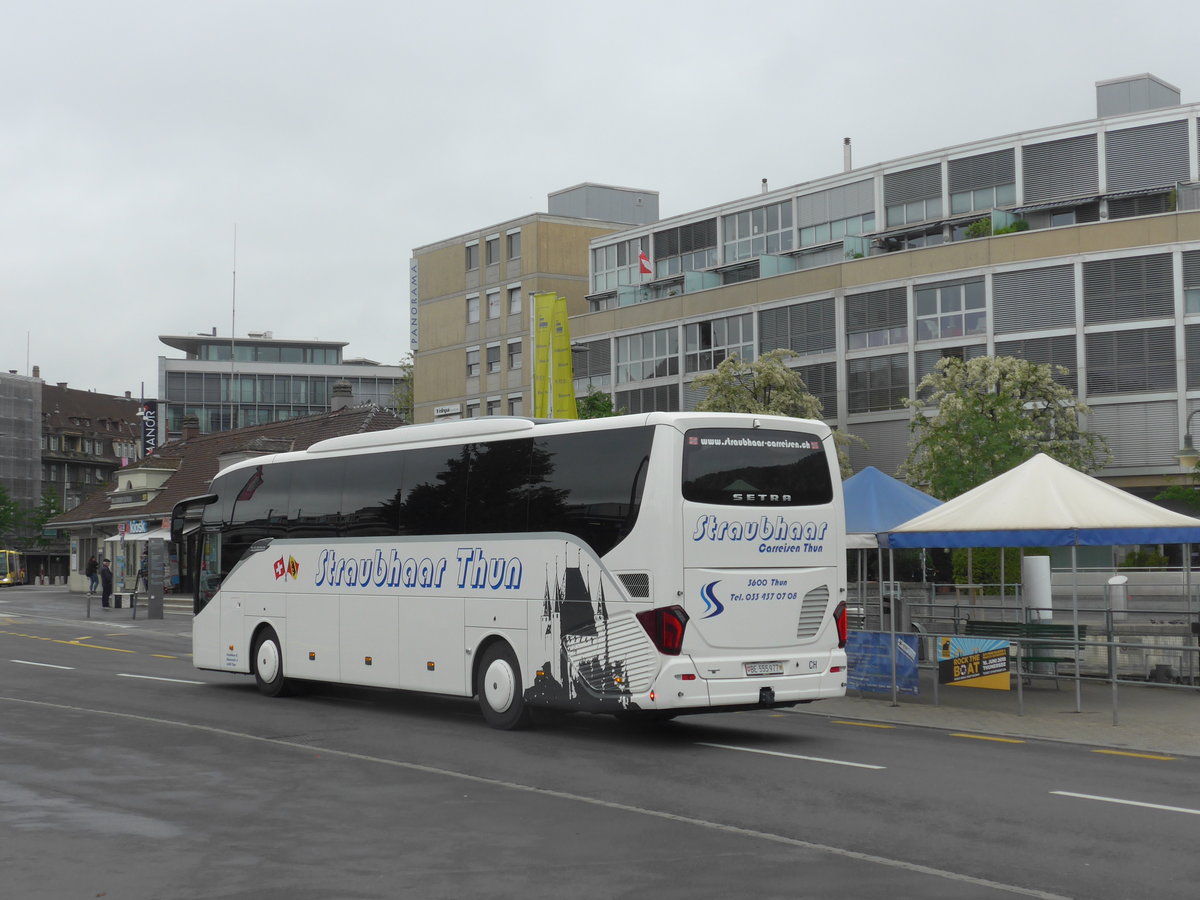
{"x":126,"y":773}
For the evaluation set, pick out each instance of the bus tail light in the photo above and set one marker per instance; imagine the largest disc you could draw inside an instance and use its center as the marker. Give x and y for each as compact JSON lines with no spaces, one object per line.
{"x":839,"y":618}
{"x":665,"y":627}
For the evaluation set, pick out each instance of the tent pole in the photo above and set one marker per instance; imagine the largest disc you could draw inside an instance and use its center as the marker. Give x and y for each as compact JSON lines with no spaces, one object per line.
{"x":1075,"y":623}
{"x":892,"y":582}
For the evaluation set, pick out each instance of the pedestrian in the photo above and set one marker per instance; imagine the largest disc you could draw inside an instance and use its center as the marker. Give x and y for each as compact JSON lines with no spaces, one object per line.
{"x":92,"y":572}
{"x":106,"y":583}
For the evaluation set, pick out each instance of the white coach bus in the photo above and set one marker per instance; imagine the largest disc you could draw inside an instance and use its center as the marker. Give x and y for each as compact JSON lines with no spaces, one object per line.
{"x":645,"y":565}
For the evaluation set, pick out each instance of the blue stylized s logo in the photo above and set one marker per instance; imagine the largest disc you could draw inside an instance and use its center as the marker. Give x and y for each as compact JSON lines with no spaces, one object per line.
{"x":712,"y":606}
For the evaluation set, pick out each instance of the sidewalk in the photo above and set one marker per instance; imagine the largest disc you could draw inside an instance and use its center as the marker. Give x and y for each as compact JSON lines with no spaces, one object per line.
{"x":1155,"y":719}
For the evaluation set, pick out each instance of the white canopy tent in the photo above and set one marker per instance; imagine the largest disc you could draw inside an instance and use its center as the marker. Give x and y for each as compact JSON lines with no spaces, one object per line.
{"x":1044,"y":503}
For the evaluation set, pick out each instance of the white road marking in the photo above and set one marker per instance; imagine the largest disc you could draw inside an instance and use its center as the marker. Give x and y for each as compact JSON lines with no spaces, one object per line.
{"x":26,"y":662}
{"x":564,"y":795}
{"x":156,"y":678}
{"x":1178,"y":809}
{"x":832,"y":762}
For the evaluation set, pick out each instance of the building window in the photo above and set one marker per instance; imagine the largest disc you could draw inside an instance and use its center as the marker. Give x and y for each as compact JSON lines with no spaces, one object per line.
{"x":664,"y":398}
{"x":473,"y":363}
{"x":473,"y":309}
{"x":754,"y":232}
{"x":687,"y":248}
{"x":982,"y":182}
{"x":620,"y":264}
{"x":514,"y":301}
{"x":876,"y":382}
{"x":492,"y":250}
{"x":914,"y":195}
{"x":516,"y":406}
{"x":493,"y":304}
{"x":493,"y":407}
{"x":835,"y":231}
{"x":493,"y":359}
{"x":876,"y":318}
{"x":472,"y":411}
{"x":1118,"y":290}
{"x":472,"y":256}
{"x":803,"y":328}
{"x":514,"y":245}
{"x":653,"y":354}
{"x":1124,"y":362}
{"x":514,"y":356}
{"x":707,"y":344}
{"x":950,"y":310}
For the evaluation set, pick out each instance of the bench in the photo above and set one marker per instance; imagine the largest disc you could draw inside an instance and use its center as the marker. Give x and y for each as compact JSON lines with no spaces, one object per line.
{"x":1041,"y":642}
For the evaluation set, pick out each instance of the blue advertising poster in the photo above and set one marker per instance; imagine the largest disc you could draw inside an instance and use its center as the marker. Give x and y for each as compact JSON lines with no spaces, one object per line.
{"x":870,"y":662}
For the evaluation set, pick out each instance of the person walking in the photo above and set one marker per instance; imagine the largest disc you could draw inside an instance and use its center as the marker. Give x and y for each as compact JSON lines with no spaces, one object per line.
{"x":91,"y":572}
{"x":106,"y":583}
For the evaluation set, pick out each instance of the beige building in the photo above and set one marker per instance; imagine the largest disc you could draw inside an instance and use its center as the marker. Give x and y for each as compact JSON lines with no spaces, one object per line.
{"x":470,"y":298}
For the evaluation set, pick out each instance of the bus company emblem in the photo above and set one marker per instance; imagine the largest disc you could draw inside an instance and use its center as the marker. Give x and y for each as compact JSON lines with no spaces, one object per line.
{"x":712,"y":606}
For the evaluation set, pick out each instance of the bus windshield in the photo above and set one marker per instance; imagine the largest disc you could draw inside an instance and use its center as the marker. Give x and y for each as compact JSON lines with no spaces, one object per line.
{"x":760,"y":467}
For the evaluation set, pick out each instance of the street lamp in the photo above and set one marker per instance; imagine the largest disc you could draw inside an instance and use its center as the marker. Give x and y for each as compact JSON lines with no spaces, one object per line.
{"x":1188,"y":455}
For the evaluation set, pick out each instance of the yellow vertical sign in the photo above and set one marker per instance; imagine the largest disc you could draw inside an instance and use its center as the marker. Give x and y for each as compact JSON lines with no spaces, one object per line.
{"x":553,"y":374}
{"x":561,"y":370}
{"x":543,"y":317}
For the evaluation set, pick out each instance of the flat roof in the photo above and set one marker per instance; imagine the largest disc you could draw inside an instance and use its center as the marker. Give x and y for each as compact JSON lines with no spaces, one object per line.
{"x":190,"y":343}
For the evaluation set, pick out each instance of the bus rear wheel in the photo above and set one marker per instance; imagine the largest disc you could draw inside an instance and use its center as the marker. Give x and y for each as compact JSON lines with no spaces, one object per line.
{"x":500,"y":689}
{"x":268,"y":665}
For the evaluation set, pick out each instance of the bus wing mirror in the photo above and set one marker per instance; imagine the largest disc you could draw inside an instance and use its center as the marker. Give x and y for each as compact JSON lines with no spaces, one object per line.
{"x":179,"y":514}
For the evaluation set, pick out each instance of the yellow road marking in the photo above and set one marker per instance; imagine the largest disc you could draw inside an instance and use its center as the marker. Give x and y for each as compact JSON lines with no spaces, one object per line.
{"x":988,"y":737}
{"x":96,"y":646}
{"x":1137,"y":755}
{"x":163,"y":656}
{"x":75,"y":643}
{"x":862,"y":724}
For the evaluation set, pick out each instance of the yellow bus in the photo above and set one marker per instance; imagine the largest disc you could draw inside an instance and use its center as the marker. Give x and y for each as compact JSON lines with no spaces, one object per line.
{"x":11,"y":567}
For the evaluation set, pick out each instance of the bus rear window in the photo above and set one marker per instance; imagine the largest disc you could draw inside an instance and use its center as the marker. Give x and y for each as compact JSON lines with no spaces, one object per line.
{"x":743,"y":467}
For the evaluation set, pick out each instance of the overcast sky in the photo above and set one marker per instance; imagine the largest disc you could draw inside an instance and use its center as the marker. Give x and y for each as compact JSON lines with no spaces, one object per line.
{"x":337,"y":136}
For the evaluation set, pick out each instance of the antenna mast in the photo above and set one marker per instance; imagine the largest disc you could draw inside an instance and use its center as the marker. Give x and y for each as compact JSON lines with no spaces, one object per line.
{"x":234,"y":388}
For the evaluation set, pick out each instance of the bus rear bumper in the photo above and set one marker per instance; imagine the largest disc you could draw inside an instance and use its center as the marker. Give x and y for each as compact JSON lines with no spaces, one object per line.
{"x":678,"y":691}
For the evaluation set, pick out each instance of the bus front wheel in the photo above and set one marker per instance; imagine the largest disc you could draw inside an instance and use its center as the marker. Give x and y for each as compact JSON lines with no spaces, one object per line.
{"x":268,"y":664}
{"x":499,"y":687}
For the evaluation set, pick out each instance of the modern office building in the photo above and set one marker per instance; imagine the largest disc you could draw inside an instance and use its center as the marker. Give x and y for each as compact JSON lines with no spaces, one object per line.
{"x":20,"y":428}
{"x":873,"y":274}
{"x":469,"y":298}
{"x":251,"y":380}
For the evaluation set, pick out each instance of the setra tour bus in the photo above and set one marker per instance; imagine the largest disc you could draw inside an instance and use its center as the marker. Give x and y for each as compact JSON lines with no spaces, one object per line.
{"x":641,"y":565}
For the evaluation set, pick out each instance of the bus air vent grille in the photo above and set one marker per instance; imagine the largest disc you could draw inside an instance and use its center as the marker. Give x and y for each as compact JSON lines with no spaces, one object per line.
{"x":812,"y":612}
{"x":637,"y":583}
{"x":618,"y":648}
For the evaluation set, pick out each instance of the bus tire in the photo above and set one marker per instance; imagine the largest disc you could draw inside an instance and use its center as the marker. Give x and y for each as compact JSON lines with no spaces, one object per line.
{"x":268,"y":665}
{"x":499,"y":687}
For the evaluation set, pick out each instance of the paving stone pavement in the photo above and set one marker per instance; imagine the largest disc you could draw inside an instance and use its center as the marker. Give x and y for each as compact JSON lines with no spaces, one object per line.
{"x":1146,"y":718}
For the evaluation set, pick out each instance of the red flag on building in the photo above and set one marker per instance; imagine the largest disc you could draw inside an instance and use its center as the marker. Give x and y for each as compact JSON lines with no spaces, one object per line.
{"x":644,"y":264}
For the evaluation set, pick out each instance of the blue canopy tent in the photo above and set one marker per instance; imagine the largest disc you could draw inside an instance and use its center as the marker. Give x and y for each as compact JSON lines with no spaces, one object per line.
{"x":875,"y":503}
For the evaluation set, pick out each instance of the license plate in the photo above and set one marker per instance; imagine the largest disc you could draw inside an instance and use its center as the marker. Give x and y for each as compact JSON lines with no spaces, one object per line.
{"x":764,"y":668}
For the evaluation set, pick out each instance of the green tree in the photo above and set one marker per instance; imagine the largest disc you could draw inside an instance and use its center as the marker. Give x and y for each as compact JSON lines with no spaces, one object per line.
{"x":768,"y":387}
{"x":402,"y":396}
{"x":597,"y":404}
{"x":10,"y":515}
{"x":979,"y":418}
{"x":35,"y":519}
